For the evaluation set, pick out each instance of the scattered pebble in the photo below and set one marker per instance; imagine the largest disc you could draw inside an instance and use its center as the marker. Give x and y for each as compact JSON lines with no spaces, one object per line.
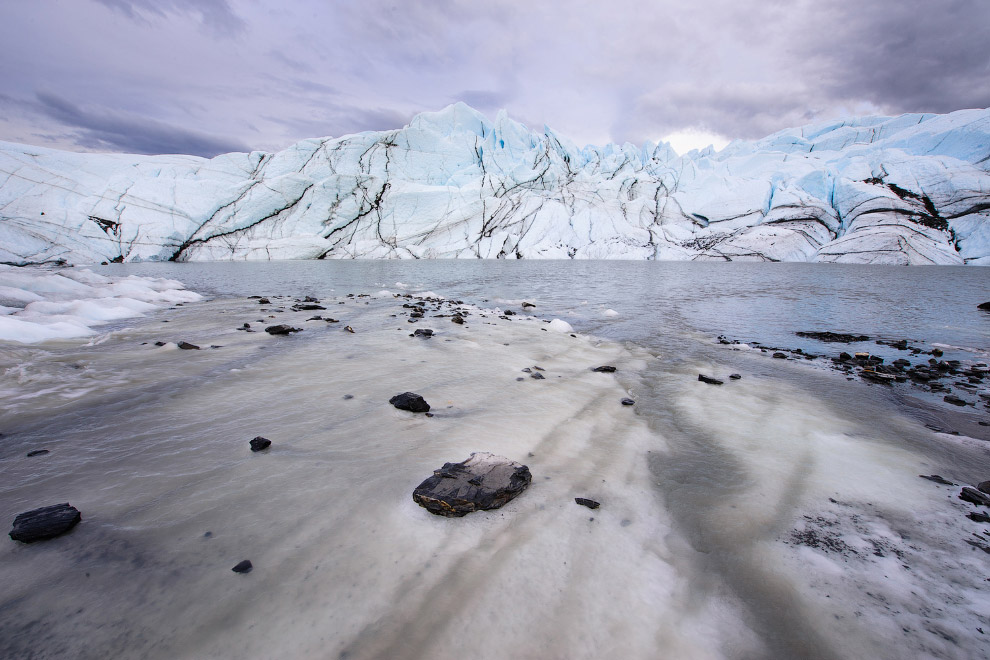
{"x":259,"y":443}
{"x":410,"y":401}
{"x":243,"y":567}
{"x":591,"y":504}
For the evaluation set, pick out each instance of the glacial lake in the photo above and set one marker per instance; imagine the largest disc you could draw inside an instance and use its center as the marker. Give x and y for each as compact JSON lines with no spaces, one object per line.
{"x":777,"y":515}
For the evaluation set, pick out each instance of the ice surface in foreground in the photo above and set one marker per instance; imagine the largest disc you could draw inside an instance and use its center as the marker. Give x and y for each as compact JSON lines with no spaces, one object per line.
{"x":151,"y":444}
{"x":912,"y":189}
{"x":38,"y":304}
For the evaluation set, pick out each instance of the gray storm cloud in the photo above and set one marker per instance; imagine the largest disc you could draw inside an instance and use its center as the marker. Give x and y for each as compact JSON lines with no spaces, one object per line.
{"x":207,"y":75}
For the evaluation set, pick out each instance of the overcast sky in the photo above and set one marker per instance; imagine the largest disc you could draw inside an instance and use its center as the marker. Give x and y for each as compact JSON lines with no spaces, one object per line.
{"x":208,"y":76}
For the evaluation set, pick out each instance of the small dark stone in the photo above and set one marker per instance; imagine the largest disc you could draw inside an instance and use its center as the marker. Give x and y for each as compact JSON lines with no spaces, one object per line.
{"x":307,"y":307}
{"x":347,"y":397}
{"x":243,"y":567}
{"x":780,"y":356}
{"x":711,"y":381}
{"x":246,"y":326}
{"x":983,"y":486}
{"x":627,"y":402}
{"x":281,"y":329}
{"x":483,"y":481}
{"x":536,"y":375}
{"x":605,"y":369}
{"x":264,"y":301}
{"x":526,"y":304}
{"x":37,"y":452}
{"x":423,"y":332}
{"x":979,"y":516}
{"x":459,"y":320}
{"x":44,"y":523}
{"x":735,"y":376}
{"x":186,"y":346}
{"x":974,"y":496}
{"x":208,"y":535}
{"x":159,"y":343}
{"x":349,"y":329}
{"x":410,"y":401}
{"x":845,"y":356}
{"x":937,"y":479}
{"x":259,"y":443}
{"x":937,"y":352}
{"x":311,"y":299}
{"x":985,"y":306}
{"x":954,"y":400}
{"x":509,"y":312}
{"x":591,"y":504}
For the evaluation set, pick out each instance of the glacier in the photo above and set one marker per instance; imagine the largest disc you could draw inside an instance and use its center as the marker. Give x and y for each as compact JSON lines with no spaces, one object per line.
{"x":911,"y":189}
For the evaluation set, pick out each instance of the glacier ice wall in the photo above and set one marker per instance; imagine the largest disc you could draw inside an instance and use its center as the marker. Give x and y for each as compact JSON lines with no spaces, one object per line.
{"x":913,"y":189}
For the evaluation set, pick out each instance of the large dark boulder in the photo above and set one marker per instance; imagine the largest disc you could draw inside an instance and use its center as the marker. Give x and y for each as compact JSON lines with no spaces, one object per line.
{"x":985,"y":306}
{"x":44,"y":523}
{"x":484,"y":481}
{"x":410,"y":401}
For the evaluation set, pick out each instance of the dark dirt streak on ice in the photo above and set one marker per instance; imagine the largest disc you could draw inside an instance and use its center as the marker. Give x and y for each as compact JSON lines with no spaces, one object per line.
{"x":696,"y":473}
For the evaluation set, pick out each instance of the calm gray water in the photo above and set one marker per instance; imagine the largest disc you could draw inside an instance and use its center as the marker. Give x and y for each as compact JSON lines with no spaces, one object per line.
{"x":656,"y":301}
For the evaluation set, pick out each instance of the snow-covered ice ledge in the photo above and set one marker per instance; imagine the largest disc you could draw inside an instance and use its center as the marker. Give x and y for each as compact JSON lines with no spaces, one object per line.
{"x":912,"y":189}
{"x":38,"y":304}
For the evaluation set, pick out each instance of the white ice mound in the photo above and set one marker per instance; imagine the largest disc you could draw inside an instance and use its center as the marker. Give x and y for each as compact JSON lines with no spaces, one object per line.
{"x":913,"y":189}
{"x":37,"y":304}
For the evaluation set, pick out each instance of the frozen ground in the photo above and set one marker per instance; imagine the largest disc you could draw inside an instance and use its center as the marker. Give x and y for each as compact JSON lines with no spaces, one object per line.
{"x":757,"y":519}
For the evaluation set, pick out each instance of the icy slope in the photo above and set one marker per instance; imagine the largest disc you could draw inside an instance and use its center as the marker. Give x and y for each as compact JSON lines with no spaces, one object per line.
{"x":913,"y":189}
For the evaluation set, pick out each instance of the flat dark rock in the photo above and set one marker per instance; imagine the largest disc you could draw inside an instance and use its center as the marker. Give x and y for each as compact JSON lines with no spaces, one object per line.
{"x":708,"y":379}
{"x":484,"y":481}
{"x":937,"y":479}
{"x":627,"y":402}
{"x":458,"y":320}
{"x":410,"y":401}
{"x":243,"y":567}
{"x":44,"y":523}
{"x":985,"y":306}
{"x":37,"y":452}
{"x":186,"y":346}
{"x":780,"y":356}
{"x":536,"y":375}
{"x":259,"y":443}
{"x":832,"y":337}
{"x":591,"y":504}
{"x":735,"y":376}
{"x":281,"y":329}
{"x":954,"y":400}
{"x":307,"y":307}
{"x":605,"y":369}
{"x":983,"y":486}
{"x":423,"y":332}
{"x":974,"y":496}
{"x":979,"y":516}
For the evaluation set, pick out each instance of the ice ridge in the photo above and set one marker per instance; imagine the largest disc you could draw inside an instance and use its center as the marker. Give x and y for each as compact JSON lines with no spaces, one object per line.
{"x":911,"y":189}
